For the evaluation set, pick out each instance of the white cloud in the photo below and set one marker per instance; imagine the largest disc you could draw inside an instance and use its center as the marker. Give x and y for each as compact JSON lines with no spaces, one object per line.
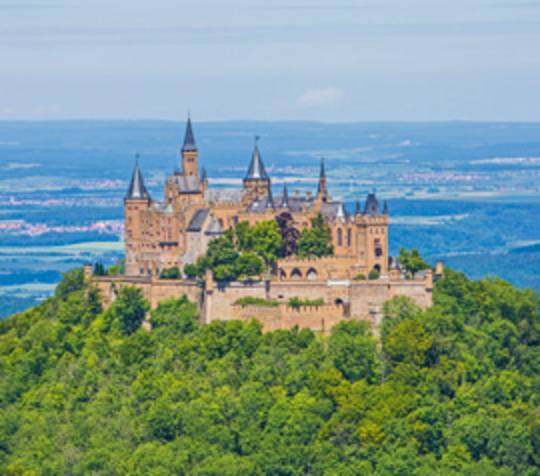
{"x":320,"y":97}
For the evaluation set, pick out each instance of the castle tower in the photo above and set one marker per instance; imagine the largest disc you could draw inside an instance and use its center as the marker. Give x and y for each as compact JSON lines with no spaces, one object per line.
{"x":190,"y":153}
{"x":322,"y":191}
{"x":136,"y":202}
{"x":256,"y":181}
{"x":375,"y":234}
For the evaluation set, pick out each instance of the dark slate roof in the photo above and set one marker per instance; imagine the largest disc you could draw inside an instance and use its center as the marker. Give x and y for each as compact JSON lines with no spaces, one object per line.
{"x":187,"y":183}
{"x":294,"y":204}
{"x":223,"y":195}
{"x":372,"y":205}
{"x":137,"y":190}
{"x":198,"y":219}
{"x":189,"y":138}
{"x":333,"y":210}
{"x":256,"y":170}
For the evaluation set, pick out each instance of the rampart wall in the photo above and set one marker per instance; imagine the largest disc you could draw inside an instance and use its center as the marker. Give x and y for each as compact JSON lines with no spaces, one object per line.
{"x":344,"y":299}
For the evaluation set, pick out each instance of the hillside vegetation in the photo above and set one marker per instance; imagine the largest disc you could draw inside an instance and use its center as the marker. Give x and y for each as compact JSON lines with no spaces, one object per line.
{"x":452,"y":390}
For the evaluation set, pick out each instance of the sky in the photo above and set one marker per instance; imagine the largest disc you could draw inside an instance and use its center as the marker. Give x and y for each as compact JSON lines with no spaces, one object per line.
{"x":325,"y":60}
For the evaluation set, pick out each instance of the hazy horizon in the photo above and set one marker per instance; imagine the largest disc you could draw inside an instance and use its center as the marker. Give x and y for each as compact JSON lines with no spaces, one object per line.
{"x":355,"y":61}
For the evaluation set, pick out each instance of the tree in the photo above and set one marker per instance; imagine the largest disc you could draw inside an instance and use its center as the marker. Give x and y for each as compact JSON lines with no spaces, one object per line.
{"x":99,"y":269}
{"x":71,"y":281}
{"x":315,"y":241}
{"x":171,"y":273}
{"x":411,"y":261}
{"x":191,"y":270}
{"x":128,"y":310}
{"x":289,"y":234}
{"x":249,"y":264}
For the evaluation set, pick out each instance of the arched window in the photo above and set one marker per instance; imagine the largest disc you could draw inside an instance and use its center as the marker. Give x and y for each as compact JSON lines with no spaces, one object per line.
{"x":296,"y":274}
{"x":340,"y":237}
{"x":378,"y":247}
{"x":349,"y":237}
{"x":282,"y":274}
{"x":311,"y":274}
{"x":339,"y":301}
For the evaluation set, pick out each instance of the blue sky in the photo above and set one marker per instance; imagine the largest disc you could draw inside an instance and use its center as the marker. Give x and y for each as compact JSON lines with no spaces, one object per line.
{"x":330,"y":60}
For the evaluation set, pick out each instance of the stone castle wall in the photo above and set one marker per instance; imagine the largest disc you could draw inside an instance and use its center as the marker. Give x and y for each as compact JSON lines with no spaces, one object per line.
{"x":317,"y":318}
{"x":361,"y":300}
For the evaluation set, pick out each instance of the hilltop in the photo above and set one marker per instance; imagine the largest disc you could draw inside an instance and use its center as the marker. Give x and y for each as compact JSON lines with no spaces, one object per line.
{"x":451,"y":390}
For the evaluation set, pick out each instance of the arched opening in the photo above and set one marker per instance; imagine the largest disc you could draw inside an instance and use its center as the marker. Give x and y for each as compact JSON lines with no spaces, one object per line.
{"x":340,"y":237}
{"x":339,"y":302}
{"x":311,"y":274}
{"x":282,"y":274}
{"x":296,"y":274}
{"x":349,"y":237}
{"x":377,"y":268}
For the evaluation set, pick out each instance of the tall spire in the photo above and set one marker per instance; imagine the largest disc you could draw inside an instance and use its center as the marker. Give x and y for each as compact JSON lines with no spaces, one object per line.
{"x":322,"y":190}
{"x":256,"y":170}
{"x":269,"y":197}
{"x":137,"y":190}
{"x":358,"y":208}
{"x":322,"y":173}
{"x":285,"y":198}
{"x":204,"y":175}
{"x":189,"y":138}
{"x":385,"y":208}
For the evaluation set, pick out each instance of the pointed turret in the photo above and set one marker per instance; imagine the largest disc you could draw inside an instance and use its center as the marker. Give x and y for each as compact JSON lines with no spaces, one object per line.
{"x":256,"y":181}
{"x":269,"y":198}
{"x":190,"y":153}
{"x":285,"y":198}
{"x":322,"y":172}
{"x":372,"y":205}
{"x":322,"y":192}
{"x":137,"y":189}
{"x":358,"y":208}
{"x":385,"y":208}
{"x":256,"y":170}
{"x":204,"y":175}
{"x":189,"y":138}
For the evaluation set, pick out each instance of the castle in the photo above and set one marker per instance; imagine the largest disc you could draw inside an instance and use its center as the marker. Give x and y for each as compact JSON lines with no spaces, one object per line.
{"x":160,"y":235}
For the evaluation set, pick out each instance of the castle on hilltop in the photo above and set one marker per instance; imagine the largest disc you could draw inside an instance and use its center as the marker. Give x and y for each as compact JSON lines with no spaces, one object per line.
{"x":160,"y":235}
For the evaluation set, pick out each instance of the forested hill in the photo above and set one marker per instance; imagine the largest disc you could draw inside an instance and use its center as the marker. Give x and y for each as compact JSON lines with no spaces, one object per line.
{"x":452,"y":390}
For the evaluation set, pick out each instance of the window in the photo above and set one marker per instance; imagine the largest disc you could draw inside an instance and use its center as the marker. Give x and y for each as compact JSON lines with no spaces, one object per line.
{"x":349,"y":237}
{"x":378,"y":247}
{"x":339,"y":237}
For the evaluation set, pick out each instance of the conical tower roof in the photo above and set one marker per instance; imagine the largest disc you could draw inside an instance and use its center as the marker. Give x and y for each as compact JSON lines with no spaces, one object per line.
{"x":285,"y":198}
{"x":372,"y":205}
{"x":137,"y":189}
{"x":269,"y":198}
{"x":189,"y":138}
{"x":322,"y":172}
{"x":256,"y":170}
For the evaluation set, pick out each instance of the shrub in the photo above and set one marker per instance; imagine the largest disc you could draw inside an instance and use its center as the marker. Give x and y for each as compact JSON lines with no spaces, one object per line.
{"x":255,"y":301}
{"x":296,"y":302}
{"x":374,"y":274}
{"x":191,"y":271}
{"x":171,"y":273}
{"x":360,"y":277}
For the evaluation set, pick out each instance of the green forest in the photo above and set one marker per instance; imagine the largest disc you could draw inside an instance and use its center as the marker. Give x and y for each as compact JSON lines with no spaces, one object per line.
{"x":452,"y":390}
